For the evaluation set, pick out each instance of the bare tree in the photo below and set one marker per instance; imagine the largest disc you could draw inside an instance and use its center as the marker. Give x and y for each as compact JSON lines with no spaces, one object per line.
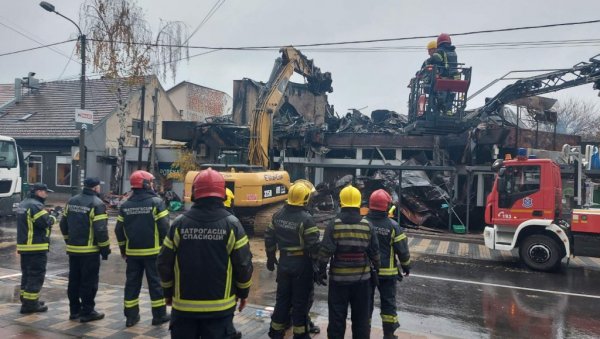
{"x":579,"y":117}
{"x":122,"y":45}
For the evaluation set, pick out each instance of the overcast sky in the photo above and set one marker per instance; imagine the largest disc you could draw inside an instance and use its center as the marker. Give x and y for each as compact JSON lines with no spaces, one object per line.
{"x":376,"y":80}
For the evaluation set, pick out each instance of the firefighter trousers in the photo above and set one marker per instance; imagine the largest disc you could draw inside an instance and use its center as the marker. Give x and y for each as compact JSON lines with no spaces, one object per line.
{"x":293,"y":292}
{"x":387,"y":295}
{"x":84,"y":271}
{"x":205,"y":328}
{"x":33,"y":272}
{"x":135,"y":272}
{"x":359,"y":296}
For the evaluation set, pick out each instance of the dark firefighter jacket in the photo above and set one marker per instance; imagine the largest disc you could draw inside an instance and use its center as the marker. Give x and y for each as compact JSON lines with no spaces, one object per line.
{"x":295,"y":233}
{"x":446,"y":60}
{"x":205,"y":262}
{"x":392,"y":243}
{"x":353,"y":245}
{"x":142,"y":224}
{"x":83,"y":224}
{"x":33,"y":226}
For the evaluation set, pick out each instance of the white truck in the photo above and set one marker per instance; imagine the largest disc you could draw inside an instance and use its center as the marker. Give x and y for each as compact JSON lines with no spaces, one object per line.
{"x":12,"y":171}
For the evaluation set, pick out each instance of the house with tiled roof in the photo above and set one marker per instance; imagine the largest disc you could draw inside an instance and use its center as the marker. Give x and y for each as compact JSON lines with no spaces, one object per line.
{"x":42,"y":120}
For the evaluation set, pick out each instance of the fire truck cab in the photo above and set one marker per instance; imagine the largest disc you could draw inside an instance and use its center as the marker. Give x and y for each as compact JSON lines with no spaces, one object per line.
{"x":524,"y":211}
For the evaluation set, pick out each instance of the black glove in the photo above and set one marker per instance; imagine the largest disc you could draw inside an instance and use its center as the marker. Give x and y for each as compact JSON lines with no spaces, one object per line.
{"x":406,"y":270}
{"x":104,"y":252}
{"x":271,"y":262}
{"x":320,"y":274}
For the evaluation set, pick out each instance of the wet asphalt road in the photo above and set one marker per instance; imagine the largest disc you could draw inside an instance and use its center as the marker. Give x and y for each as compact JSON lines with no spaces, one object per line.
{"x":443,"y":296}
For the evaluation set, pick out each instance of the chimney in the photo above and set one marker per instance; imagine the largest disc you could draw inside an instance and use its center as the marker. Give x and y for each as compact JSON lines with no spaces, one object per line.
{"x":18,"y":87}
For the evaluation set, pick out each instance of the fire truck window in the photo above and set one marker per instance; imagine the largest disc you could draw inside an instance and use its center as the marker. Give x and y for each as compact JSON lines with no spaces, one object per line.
{"x":521,"y":179}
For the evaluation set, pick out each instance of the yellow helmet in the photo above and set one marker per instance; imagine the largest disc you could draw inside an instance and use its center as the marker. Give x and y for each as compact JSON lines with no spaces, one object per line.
{"x":432,"y":44}
{"x":350,"y":197}
{"x":228,"y":197}
{"x":307,"y":183}
{"x":298,"y":194}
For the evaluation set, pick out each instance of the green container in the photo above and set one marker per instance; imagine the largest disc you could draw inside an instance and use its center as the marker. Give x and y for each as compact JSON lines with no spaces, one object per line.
{"x":460,"y":229}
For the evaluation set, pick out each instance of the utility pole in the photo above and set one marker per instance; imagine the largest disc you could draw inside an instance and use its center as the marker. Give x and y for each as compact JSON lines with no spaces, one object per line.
{"x":154,"y":124}
{"x":141,"y":138}
{"x":82,"y":148}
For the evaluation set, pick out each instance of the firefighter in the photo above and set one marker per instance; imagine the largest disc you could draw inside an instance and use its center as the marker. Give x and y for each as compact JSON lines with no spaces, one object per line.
{"x":33,"y":242}
{"x":142,"y":225}
{"x":84,"y":228}
{"x":392,"y":244}
{"x":205,"y":264}
{"x":229,"y":200}
{"x":355,"y":250}
{"x":431,"y":48}
{"x":295,"y":233}
{"x":445,"y":56}
{"x":446,"y":60}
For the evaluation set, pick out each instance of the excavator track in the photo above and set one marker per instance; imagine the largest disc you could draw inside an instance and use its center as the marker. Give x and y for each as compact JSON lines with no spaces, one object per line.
{"x":264,"y":216}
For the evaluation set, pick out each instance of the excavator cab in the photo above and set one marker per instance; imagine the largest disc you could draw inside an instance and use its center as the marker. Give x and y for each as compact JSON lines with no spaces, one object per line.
{"x":436,"y":104}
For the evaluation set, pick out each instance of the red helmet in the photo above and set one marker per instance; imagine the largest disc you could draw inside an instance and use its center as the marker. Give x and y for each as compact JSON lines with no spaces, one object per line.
{"x":209,"y":183}
{"x":380,"y":200}
{"x":442,"y":38}
{"x":141,"y":179}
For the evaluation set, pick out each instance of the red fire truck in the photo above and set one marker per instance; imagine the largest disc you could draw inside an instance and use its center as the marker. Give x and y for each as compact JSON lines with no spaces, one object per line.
{"x":525,"y":211}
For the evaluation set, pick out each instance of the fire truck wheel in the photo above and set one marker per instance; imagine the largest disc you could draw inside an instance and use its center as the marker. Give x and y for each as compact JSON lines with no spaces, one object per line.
{"x":540,"y":252}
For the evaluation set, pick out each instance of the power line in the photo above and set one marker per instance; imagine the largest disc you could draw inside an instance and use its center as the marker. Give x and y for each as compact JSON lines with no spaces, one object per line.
{"x":359,"y":41}
{"x":36,"y":41}
{"x":38,"y":47}
{"x":208,"y":15}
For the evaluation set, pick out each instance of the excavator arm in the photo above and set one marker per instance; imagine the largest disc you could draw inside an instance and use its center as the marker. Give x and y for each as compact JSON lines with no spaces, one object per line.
{"x":271,"y":97}
{"x":580,"y":74}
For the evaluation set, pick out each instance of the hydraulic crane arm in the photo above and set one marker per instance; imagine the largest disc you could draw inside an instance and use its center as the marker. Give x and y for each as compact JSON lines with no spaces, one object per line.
{"x":580,"y":74}
{"x":271,"y":96}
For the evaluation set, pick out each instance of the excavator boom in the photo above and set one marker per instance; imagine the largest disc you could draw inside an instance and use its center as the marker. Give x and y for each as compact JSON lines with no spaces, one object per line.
{"x":271,"y":97}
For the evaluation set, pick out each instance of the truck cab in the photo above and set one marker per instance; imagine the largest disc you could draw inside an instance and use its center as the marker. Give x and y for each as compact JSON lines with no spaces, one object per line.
{"x":524,"y":210}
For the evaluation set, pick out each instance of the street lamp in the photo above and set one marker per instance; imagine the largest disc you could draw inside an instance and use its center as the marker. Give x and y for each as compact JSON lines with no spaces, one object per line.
{"x":82,"y":151}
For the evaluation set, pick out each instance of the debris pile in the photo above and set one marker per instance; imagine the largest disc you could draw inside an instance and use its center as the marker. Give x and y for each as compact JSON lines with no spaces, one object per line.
{"x":424,"y":202}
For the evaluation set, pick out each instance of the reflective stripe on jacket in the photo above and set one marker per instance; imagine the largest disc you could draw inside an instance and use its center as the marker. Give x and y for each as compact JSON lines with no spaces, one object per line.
{"x":392,"y":242}
{"x":353,"y":245}
{"x":205,"y":262}
{"x":142,"y":224}
{"x":33,"y":226}
{"x":84,"y":224}
{"x":295,"y":233}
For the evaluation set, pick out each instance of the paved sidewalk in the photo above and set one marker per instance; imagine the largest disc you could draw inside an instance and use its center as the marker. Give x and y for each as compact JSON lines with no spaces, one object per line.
{"x":55,"y":323}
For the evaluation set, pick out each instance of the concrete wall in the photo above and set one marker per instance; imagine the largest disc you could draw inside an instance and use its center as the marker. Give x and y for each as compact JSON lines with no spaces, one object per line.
{"x":198,"y":102}
{"x":245,"y":94}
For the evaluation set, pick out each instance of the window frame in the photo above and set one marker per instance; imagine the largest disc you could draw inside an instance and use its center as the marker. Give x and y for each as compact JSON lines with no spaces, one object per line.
{"x":41,"y":162}
{"x":68,"y":161}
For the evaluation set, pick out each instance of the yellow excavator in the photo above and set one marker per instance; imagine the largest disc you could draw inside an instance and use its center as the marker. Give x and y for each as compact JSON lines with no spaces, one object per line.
{"x":258,"y":191}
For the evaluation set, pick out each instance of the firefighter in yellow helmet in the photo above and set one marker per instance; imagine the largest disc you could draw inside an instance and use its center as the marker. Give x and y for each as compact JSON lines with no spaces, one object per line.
{"x":350,"y":240}
{"x":294,"y":232}
{"x":229,"y":200}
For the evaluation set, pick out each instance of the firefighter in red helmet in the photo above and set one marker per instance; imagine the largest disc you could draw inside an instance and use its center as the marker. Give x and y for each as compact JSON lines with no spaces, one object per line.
{"x":209,"y":250}
{"x":142,"y":225}
{"x":446,"y":61}
{"x":392,"y":244}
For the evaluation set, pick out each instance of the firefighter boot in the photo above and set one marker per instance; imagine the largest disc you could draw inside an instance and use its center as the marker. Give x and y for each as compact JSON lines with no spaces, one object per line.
{"x":92,"y":316}
{"x":134,"y":319}
{"x":33,"y":307}
{"x":276,"y":334}
{"x":160,"y":319}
